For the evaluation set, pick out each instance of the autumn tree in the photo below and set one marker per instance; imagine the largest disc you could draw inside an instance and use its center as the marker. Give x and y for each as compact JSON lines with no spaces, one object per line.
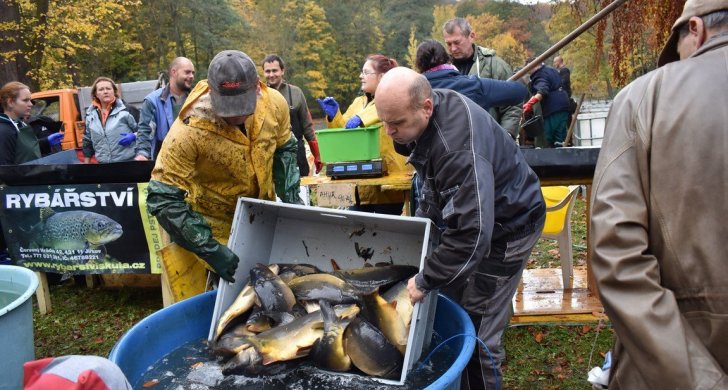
{"x":523,"y":23}
{"x":197,"y":29}
{"x":587,"y":75}
{"x":357,"y":31}
{"x":411,"y":48}
{"x":19,"y":46}
{"x":55,"y":35}
{"x":400,"y":16}
{"x":639,"y":31}
{"x":314,"y":39}
{"x":486,"y":26}
{"x":509,"y":48}
{"x":441,"y":14}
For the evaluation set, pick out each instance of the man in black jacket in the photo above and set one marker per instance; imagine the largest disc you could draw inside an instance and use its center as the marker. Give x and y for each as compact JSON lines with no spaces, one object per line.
{"x":565,"y":74}
{"x":545,"y":86}
{"x":483,"y":196}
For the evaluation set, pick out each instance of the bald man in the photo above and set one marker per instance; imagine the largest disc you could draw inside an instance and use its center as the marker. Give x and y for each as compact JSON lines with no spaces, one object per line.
{"x":161,"y":108}
{"x":483,"y":196}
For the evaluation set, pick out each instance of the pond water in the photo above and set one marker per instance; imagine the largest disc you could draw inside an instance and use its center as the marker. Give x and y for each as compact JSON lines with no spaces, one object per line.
{"x":191,"y":366}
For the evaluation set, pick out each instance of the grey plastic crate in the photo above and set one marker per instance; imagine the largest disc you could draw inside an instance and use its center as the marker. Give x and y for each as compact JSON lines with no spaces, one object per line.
{"x":270,"y":232}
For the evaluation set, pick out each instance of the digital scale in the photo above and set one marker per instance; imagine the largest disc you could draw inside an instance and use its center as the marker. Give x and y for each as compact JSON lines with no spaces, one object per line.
{"x":354,"y":169}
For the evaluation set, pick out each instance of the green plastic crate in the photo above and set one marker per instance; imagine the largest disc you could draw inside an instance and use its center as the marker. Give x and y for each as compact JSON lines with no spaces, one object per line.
{"x":341,"y":145}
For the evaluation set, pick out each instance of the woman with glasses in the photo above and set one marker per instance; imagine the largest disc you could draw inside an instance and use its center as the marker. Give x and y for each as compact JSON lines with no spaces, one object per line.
{"x":362,"y":113}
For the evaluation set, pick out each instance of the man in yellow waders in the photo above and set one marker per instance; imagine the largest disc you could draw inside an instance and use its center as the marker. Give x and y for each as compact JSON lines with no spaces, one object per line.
{"x":232,"y":138}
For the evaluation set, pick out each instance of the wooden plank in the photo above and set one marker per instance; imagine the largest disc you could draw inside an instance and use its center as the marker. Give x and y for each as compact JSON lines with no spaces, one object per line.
{"x":43,"y":294}
{"x":92,"y":281}
{"x":167,"y":295}
{"x":569,"y":301}
{"x":591,"y":280}
{"x":541,"y":298}
{"x":394,"y":179}
{"x":556,"y":318}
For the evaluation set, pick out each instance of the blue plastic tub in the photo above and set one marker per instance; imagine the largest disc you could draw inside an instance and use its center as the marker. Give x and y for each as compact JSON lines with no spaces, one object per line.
{"x":162,"y":332}
{"x":17,"y":286}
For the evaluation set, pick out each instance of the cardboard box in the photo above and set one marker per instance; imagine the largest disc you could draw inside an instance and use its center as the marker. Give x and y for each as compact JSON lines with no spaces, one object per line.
{"x":343,"y":145}
{"x":269,"y":232}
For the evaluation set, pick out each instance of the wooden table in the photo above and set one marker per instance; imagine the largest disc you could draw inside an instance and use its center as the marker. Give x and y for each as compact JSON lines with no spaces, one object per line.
{"x":392,"y":182}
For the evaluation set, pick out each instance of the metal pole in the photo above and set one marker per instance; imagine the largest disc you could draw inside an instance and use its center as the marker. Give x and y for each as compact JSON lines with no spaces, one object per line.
{"x":567,"y":39}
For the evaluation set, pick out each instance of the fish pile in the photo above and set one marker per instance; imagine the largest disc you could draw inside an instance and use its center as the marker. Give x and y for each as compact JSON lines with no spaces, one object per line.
{"x":346,"y":319}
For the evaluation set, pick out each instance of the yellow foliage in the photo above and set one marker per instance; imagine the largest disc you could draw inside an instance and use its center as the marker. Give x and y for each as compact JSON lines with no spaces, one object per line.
{"x":412,"y":48}
{"x":70,"y":27}
{"x":587,"y":76}
{"x":507,"y":48}
{"x":441,"y":14}
{"x":317,"y":86}
{"x":485,"y":26}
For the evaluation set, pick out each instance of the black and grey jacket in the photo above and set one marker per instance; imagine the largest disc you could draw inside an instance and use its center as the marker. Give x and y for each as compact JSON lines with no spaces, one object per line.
{"x":478,"y":188}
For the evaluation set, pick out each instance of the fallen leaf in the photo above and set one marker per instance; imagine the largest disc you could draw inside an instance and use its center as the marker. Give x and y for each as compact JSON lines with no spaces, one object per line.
{"x":99,"y":340}
{"x":553,"y":252}
{"x":585,"y":329}
{"x":151,"y":383}
{"x":538,"y":337}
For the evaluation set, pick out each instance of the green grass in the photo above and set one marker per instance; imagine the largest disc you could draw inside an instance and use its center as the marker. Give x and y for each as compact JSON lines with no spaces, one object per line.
{"x":555,"y":356}
{"x":89,"y":321}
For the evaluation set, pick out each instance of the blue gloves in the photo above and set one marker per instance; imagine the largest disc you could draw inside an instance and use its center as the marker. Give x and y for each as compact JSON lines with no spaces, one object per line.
{"x":127,"y":139}
{"x":329,"y":106}
{"x":55,"y":139}
{"x":353,"y":122}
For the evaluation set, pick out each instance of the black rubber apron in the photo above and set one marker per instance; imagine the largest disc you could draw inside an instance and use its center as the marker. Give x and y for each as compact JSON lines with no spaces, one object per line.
{"x":298,"y":132}
{"x":26,"y":147}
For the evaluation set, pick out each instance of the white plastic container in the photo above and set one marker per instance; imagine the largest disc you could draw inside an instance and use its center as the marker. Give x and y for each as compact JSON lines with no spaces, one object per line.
{"x":17,"y":285}
{"x":269,"y":232}
{"x":590,"y":128}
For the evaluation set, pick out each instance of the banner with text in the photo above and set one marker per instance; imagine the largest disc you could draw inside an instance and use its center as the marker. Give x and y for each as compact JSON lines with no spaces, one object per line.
{"x":81,"y":228}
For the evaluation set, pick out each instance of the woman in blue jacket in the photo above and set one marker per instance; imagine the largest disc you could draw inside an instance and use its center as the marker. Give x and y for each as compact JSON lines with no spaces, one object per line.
{"x":110,"y":128}
{"x":433,"y":61}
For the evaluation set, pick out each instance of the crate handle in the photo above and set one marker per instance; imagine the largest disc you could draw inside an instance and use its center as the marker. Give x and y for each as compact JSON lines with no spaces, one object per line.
{"x":333,"y":215}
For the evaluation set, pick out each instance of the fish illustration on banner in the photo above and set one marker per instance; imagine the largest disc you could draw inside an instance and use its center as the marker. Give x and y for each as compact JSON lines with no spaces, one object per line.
{"x":80,"y":229}
{"x":74,"y":230}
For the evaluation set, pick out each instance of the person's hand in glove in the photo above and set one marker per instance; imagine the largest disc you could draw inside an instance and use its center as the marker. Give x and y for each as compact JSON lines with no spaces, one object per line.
{"x":528,"y":106}
{"x":353,"y":122}
{"x":313,"y":144}
{"x":127,"y":139}
{"x":55,"y":139}
{"x":224,"y":262}
{"x":329,"y":106}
